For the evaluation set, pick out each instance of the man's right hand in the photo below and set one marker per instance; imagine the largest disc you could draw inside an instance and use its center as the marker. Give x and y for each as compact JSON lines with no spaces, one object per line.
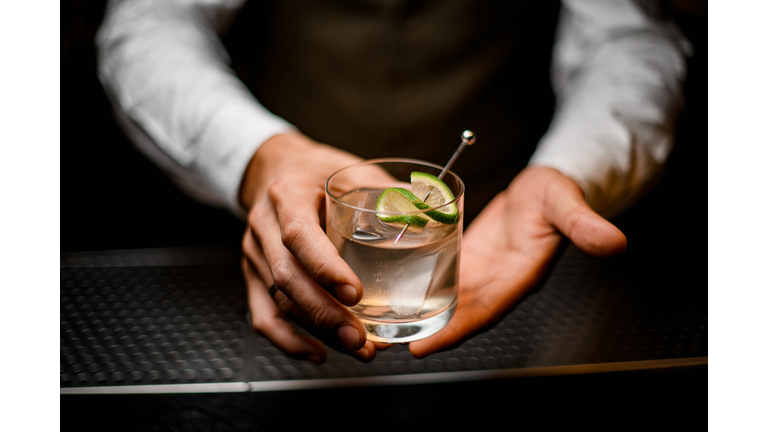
{"x":284,"y":244}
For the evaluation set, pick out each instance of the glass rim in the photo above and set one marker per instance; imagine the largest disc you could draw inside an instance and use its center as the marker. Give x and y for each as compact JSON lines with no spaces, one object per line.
{"x":401,"y":160}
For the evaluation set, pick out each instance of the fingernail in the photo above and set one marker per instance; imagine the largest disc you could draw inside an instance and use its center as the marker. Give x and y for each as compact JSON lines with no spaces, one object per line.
{"x":346,"y":294}
{"x":349,"y":336}
{"x":314,"y":358}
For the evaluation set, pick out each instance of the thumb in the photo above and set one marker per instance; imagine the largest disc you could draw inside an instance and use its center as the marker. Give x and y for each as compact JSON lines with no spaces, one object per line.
{"x":567,"y":210}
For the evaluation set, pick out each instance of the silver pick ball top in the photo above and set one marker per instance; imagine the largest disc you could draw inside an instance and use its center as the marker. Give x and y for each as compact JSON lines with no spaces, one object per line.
{"x":468,"y":137}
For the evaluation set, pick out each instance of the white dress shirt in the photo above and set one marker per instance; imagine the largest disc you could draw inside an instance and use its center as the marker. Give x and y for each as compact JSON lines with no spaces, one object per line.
{"x":618,"y":70}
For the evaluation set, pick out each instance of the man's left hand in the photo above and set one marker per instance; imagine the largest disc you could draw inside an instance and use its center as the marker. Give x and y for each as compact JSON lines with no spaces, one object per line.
{"x":509,"y":246}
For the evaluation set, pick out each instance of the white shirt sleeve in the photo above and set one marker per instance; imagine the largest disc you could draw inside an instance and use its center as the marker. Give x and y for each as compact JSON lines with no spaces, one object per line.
{"x":165,"y":71}
{"x":618,"y":72}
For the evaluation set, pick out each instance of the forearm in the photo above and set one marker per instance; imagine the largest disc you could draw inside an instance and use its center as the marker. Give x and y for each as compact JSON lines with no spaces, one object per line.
{"x":165,"y":69}
{"x":618,"y":74}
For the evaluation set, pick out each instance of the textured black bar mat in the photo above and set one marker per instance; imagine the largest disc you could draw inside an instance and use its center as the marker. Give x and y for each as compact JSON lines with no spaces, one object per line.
{"x":165,"y":317}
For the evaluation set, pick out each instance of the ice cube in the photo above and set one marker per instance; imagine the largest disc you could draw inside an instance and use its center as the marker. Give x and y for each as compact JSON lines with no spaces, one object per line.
{"x":365,"y":236}
{"x":410,"y":283}
{"x":366,"y":226}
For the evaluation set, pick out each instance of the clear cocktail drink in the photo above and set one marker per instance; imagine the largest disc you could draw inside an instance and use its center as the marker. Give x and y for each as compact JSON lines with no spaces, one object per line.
{"x":409,"y":286}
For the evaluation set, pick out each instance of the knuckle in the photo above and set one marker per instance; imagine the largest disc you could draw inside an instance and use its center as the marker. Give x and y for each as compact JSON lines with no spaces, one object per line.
{"x":320,"y":315}
{"x":282,"y":273}
{"x":321,"y":272}
{"x":294,"y":230}
{"x":278,"y":187}
{"x":284,"y":305}
{"x":572,"y":218}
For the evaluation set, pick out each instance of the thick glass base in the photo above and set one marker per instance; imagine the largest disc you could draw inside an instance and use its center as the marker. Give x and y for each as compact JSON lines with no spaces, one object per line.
{"x":409,"y":331}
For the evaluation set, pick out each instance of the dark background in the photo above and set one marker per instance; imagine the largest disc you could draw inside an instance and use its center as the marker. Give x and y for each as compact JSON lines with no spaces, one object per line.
{"x":114,"y":198}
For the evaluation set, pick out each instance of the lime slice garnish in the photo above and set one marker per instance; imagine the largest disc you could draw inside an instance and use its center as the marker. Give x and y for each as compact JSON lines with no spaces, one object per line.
{"x":401,"y":200}
{"x":439,"y":194}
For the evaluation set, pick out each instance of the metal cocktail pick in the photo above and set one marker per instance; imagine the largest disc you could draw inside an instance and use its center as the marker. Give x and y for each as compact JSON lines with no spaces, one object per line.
{"x":467,"y":138}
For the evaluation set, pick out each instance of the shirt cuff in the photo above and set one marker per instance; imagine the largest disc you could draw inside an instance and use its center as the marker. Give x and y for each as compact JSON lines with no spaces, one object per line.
{"x":239,"y":131}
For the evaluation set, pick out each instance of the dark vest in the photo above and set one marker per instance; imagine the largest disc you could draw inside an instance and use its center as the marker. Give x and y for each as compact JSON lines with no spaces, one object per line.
{"x":394,"y":78}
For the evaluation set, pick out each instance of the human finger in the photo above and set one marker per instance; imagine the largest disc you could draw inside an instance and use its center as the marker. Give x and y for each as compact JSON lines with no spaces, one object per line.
{"x":298,"y":201}
{"x":252,"y":250}
{"x":289,"y":309}
{"x":290,"y":276}
{"x":268,"y":321}
{"x":567,"y":210}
